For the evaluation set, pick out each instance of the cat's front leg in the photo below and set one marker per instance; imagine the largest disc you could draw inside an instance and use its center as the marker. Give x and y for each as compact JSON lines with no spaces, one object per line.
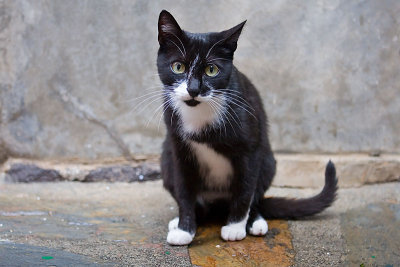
{"x":243,"y":187}
{"x":183,"y":228}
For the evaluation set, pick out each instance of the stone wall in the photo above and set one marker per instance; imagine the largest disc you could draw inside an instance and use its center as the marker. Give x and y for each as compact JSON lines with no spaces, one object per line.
{"x":328,"y":72}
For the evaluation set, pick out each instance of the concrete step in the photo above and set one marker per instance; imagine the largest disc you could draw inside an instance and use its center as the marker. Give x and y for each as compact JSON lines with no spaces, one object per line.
{"x":293,"y":170}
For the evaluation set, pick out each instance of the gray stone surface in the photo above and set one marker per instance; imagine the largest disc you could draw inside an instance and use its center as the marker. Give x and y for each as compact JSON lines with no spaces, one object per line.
{"x":126,"y":224}
{"x":26,"y":255}
{"x":360,"y":228}
{"x":70,"y":72}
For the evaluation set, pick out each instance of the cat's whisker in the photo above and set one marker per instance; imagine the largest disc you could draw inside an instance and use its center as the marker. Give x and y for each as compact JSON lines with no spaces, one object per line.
{"x":227,"y":113}
{"x":218,"y":58}
{"x":168,"y":102}
{"x":172,"y":115}
{"x":209,"y":51}
{"x":155,"y":113}
{"x":146,"y":90}
{"x":220,"y":120}
{"x":142,"y":96}
{"x":239,"y":103}
{"x":160,"y":109}
{"x":136,"y":108}
{"x":177,"y":47}
{"x":238,"y":121}
{"x":233,"y":101}
{"x":215,"y":109}
{"x":221,"y":114}
{"x":237,"y":94}
{"x":152,"y":98}
{"x":180,"y":42}
{"x":148,"y":98}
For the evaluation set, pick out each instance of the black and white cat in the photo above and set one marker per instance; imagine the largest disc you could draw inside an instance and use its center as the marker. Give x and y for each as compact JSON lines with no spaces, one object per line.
{"x":216,"y":150}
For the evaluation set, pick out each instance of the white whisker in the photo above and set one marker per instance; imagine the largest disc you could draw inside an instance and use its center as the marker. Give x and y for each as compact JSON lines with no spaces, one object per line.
{"x":180,"y":42}
{"x":154,"y":99}
{"x":213,"y":46}
{"x":177,"y":47}
{"x":233,"y":101}
{"x":142,"y":96}
{"x":218,"y":58}
{"x":236,"y":94}
{"x":216,"y":107}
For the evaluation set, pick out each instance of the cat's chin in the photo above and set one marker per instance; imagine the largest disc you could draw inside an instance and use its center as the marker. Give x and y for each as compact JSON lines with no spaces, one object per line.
{"x":192,"y":102}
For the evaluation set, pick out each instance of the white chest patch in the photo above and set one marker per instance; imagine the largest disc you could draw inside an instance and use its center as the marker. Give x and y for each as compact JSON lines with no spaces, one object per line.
{"x":215,"y":168}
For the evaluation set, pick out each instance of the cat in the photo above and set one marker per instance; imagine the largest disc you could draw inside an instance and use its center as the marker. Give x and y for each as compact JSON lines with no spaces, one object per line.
{"x":216,"y":151}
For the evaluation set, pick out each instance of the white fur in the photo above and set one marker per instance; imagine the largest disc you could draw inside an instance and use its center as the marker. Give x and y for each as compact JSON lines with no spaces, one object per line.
{"x":259,"y":227}
{"x":173,"y":224}
{"x":179,"y":237}
{"x":193,"y":65}
{"x":215,"y":168}
{"x":181,"y":91}
{"x":194,"y":119}
{"x":235,"y":231}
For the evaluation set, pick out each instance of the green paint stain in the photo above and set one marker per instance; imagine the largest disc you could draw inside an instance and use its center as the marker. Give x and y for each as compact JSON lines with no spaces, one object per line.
{"x":373,"y":257}
{"x":167,"y":252}
{"x":47,"y":258}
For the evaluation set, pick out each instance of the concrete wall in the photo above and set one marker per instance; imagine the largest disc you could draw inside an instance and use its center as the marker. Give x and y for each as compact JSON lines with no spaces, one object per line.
{"x":328,"y":71}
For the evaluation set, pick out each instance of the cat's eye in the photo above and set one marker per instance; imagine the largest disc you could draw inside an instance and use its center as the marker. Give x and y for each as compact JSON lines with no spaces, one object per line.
{"x":178,"y":67}
{"x":212,"y":70}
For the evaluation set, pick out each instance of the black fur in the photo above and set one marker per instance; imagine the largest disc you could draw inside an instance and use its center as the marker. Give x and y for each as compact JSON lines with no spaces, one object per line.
{"x":243,"y":140}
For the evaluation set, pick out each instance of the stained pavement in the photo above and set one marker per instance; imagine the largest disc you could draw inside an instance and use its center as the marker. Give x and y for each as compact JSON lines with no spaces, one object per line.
{"x":119,"y":224}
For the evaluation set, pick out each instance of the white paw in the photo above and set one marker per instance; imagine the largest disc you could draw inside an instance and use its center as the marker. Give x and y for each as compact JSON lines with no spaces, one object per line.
{"x":233,"y":232}
{"x":179,"y":237}
{"x":173,"y":224}
{"x":259,"y":227}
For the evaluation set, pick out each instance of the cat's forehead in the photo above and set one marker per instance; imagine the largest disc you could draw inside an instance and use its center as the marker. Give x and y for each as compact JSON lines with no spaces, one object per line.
{"x":198,"y":46}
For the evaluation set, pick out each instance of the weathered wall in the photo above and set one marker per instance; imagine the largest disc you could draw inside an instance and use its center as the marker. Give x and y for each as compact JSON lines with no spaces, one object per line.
{"x":328,"y":72}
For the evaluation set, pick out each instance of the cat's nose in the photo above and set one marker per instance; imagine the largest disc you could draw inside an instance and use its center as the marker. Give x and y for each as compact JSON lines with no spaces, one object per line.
{"x":193,"y":92}
{"x":194,"y":88}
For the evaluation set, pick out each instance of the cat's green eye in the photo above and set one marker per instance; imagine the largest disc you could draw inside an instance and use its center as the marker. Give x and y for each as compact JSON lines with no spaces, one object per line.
{"x":178,"y":67}
{"x":212,"y":70}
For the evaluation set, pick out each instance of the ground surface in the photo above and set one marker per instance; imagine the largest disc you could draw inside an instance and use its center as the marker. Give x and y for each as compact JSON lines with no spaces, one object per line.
{"x":99,"y":224}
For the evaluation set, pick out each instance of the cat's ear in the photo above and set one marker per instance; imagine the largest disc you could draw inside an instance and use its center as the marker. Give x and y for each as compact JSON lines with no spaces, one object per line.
{"x":167,"y":27}
{"x":231,"y":36}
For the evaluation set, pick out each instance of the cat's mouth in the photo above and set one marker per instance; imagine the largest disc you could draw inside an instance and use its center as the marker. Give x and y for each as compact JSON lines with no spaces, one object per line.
{"x":192,"y":102}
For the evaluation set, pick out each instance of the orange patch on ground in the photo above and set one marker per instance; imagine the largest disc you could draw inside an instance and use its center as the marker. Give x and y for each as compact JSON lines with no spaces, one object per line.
{"x":275,"y":249}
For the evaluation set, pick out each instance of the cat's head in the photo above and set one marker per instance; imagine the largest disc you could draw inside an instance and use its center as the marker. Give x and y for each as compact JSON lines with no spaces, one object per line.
{"x":194,"y":67}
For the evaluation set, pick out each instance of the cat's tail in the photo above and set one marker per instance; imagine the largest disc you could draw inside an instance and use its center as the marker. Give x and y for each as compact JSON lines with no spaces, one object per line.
{"x":284,"y":208}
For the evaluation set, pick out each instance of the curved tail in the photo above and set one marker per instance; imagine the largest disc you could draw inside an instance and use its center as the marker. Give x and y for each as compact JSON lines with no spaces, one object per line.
{"x":284,"y":208}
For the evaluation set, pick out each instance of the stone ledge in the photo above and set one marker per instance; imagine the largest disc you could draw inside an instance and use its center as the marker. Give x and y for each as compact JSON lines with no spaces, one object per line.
{"x":294,"y":170}
{"x":115,"y":170}
{"x":300,"y":170}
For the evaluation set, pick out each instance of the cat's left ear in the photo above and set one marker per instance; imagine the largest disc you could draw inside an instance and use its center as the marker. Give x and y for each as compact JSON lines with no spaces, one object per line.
{"x":168,"y":28}
{"x":231,"y":36}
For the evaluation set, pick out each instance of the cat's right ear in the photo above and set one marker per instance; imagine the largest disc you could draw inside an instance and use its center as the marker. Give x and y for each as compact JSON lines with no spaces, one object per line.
{"x":168,"y":28}
{"x":231,"y":36}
